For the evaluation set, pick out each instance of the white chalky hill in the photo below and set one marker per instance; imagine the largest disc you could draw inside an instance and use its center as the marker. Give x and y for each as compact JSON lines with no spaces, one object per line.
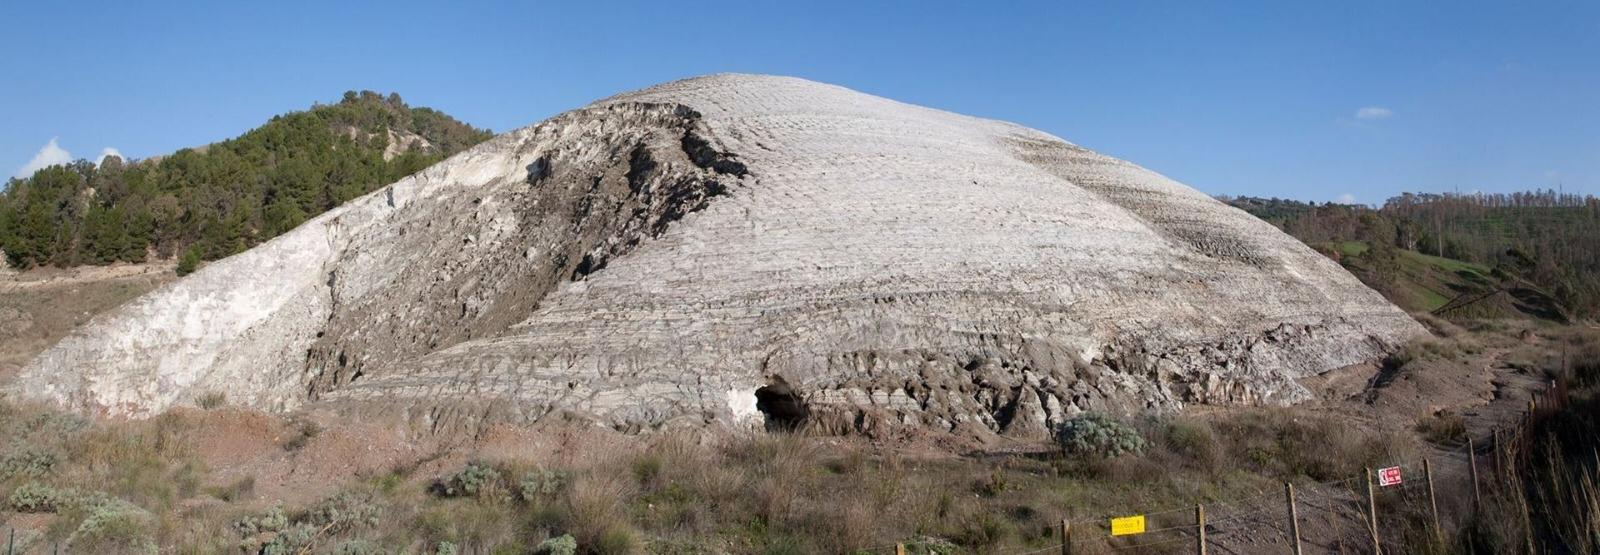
{"x":657,"y":257}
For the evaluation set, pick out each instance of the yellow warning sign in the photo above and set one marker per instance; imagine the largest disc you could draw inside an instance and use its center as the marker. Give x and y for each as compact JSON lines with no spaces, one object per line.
{"x":1127,"y":526}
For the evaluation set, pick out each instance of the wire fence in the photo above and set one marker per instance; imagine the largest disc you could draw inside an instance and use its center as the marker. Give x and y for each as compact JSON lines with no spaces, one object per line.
{"x":1391,"y":509}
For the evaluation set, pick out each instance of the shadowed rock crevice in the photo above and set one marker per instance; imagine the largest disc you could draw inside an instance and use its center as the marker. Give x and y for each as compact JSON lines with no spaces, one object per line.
{"x":782,"y":408}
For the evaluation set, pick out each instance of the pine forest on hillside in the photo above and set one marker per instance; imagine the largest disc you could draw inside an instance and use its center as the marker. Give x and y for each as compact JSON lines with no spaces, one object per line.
{"x":1542,"y":241}
{"x":213,"y":201}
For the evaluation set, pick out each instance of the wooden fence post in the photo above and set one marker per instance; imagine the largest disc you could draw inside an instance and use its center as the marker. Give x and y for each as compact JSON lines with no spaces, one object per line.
{"x":1372,"y":515}
{"x":1472,"y":466}
{"x":1294,"y":517}
{"x":899,"y":549}
{"x":1433,"y":502}
{"x":1200,"y":529}
{"x":1066,"y":537}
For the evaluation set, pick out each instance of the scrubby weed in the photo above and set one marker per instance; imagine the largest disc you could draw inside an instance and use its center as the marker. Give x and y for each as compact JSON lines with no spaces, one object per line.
{"x":114,"y":527}
{"x":305,"y":431}
{"x":1443,"y":428}
{"x":1581,"y":359}
{"x":1193,"y":441}
{"x":1287,"y":443}
{"x":599,"y":512}
{"x":236,"y":491}
{"x":212,"y":400}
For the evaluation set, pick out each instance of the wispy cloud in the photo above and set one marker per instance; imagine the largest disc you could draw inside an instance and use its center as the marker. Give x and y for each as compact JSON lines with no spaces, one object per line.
{"x":49,"y":155}
{"x":1373,"y":113}
{"x":1346,"y":198}
{"x":108,"y":151}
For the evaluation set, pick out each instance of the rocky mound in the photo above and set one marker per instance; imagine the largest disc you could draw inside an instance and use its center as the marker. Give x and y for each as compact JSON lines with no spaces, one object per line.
{"x":736,"y":249}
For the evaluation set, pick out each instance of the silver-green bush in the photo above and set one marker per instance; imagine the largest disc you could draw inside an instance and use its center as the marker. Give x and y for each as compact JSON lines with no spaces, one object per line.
{"x":1099,"y":435}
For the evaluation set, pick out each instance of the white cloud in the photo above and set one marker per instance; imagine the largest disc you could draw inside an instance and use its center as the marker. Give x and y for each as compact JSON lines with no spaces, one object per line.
{"x":1346,"y":198}
{"x":108,"y":151}
{"x":49,"y":155}
{"x":1373,"y":112}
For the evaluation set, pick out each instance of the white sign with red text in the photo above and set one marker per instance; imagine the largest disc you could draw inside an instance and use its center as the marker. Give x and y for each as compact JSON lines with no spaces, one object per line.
{"x":1389,"y":476}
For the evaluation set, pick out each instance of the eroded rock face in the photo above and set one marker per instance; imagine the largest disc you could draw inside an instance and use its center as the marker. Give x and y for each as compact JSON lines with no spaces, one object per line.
{"x":657,"y":257}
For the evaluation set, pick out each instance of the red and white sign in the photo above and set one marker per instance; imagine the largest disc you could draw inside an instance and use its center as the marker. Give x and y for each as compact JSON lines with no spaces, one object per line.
{"x":1389,"y":476}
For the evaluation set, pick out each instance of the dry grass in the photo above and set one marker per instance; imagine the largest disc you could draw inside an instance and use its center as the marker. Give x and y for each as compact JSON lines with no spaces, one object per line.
{"x":1443,"y":428}
{"x":670,"y":493}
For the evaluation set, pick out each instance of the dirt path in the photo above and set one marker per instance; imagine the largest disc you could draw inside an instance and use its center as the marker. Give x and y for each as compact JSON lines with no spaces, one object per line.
{"x":1514,"y":387}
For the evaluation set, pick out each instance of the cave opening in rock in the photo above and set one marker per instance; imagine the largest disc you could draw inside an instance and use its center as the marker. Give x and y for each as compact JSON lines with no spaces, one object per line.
{"x":781,"y":406}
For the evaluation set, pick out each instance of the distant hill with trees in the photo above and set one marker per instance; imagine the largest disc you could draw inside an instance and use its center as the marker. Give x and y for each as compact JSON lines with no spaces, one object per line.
{"x":1449,"y":251}
{"x":209,"y":202}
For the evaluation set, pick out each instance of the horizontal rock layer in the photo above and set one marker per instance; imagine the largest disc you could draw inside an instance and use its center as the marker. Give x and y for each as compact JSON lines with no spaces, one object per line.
{"x":655,"y":258}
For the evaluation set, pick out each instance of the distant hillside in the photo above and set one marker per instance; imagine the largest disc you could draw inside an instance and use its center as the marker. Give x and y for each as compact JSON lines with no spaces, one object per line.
{"x":223,"y":198}
{"x":1535,"y":253}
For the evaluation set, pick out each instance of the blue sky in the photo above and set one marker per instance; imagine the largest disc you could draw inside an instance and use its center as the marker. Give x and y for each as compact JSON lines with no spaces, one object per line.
{"x":1310,"y":100}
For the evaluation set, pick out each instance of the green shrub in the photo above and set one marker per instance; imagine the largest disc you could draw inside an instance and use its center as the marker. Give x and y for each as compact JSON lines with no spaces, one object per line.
{"x":560,"y":545}
{"x":293,"y":540}
{"x":647,"y":468}
{"x":114,"y":527}
{"x":476,"y":478}
{"x":271,"y":521}
{"x":924,"y":545}
{"x":447,"y":548}
{"x":539,"y":483}
{"x":190,"y":261}
{"x":1098,"y":435}
{"x":1196,"y":443}
{"x":37,"y":498}
{"x":27,"y":461}
{"x":347,"y":510}
{"x":358,"y":547}
{"x":617,"y":540}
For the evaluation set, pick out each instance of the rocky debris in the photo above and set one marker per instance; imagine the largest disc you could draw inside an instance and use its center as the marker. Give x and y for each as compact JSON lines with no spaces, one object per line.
{"x":732,"y":250}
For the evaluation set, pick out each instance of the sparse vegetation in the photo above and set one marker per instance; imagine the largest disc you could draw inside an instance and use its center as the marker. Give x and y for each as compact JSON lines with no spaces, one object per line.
{"x":306,"y":430}
{"x":212,"y":400}
{"x":1443,"y":428}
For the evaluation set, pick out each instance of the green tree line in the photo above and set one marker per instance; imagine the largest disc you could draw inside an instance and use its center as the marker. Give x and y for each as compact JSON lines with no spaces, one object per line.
{"x":210,"y":202}
{"x":1544,"y":237}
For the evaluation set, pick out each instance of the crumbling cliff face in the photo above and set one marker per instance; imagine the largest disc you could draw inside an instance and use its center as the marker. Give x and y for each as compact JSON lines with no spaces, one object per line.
{"x":736,"y":250}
